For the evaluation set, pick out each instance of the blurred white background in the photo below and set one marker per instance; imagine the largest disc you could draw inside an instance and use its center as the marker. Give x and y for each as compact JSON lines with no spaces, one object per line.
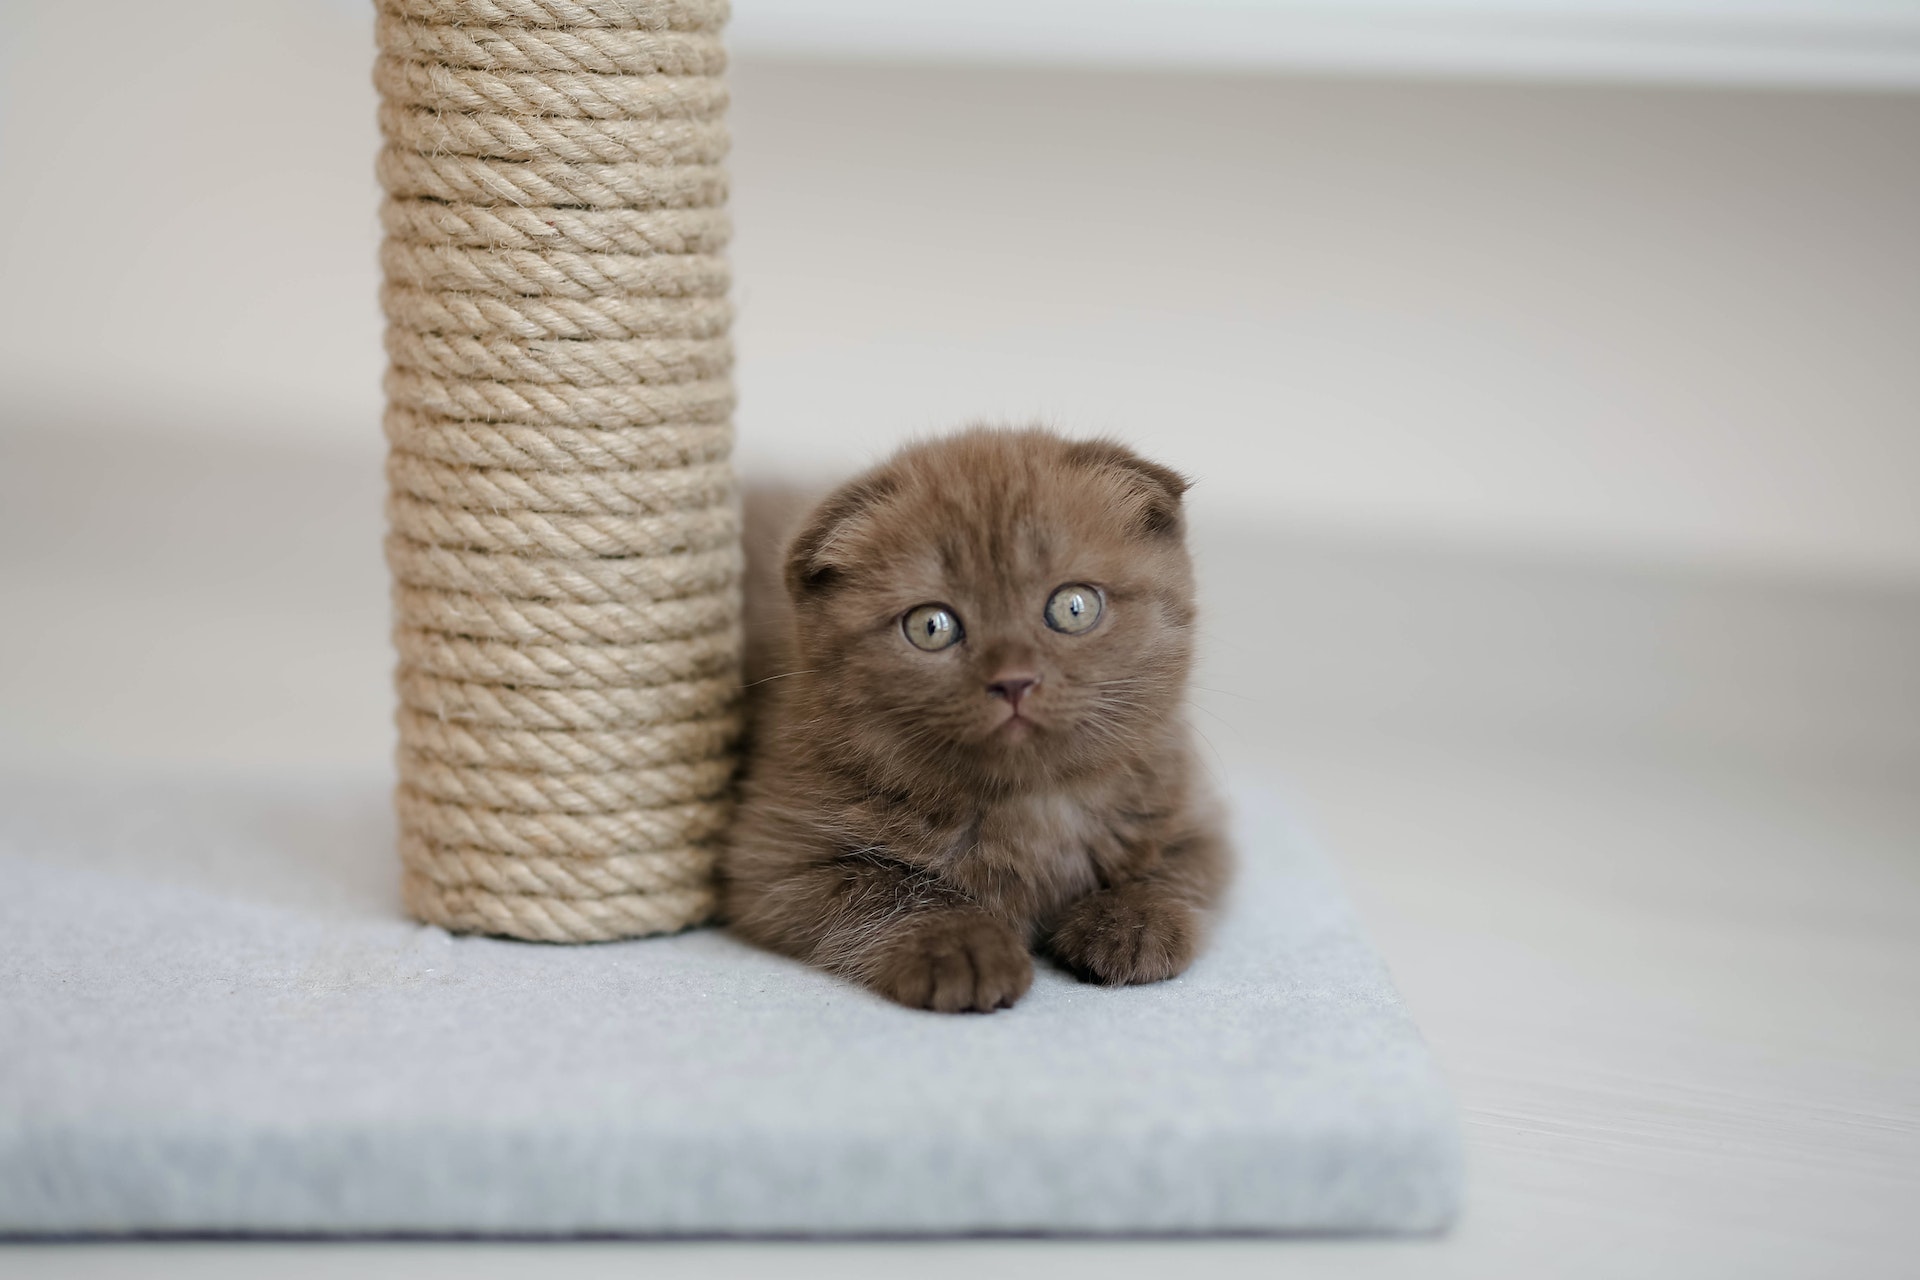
{"x":1671,"y":323}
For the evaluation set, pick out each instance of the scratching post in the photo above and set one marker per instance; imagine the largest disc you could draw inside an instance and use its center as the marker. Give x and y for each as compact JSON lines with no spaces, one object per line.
{"x":564,"y":541}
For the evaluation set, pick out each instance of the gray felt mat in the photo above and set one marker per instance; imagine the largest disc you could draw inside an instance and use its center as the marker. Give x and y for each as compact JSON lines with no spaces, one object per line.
{"x":214,"y":1019}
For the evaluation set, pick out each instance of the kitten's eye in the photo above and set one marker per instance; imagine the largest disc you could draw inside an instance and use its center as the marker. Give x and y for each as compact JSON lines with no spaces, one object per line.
{"x":1074,"y":608}
{"x":931,"y":627}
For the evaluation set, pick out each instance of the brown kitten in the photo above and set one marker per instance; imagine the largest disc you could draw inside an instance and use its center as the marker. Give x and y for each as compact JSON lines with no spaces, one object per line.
{"x":978,"y":749}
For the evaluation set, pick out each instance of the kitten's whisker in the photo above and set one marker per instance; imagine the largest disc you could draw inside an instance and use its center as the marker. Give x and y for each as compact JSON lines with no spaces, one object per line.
{"x":1194,"y":706}
{"x":1218,"y":758}
{"x":1225,"y":693}
{"x":784,"y":675}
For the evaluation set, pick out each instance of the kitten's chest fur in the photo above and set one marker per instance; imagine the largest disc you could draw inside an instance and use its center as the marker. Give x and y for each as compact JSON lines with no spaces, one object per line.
{"x":1026,"y":858}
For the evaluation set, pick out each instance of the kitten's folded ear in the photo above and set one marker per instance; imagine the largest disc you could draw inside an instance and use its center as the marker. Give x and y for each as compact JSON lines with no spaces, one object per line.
{"x":814,"y":557}
{"x":1156,"y":488}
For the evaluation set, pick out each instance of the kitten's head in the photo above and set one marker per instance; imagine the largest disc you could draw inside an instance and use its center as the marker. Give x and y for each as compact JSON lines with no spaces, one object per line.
{"x":995,"y":609}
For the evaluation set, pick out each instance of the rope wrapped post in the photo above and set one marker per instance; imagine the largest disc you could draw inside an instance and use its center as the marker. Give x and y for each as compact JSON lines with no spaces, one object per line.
{"x":564,"y":537}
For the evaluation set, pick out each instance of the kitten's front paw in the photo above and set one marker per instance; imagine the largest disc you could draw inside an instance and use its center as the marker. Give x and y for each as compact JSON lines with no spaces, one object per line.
{"x":954,"y":961}
{"x":1135,"y":933}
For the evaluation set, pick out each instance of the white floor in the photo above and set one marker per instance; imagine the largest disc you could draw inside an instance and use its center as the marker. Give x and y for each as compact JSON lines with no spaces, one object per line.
{"x":1667,"y":950}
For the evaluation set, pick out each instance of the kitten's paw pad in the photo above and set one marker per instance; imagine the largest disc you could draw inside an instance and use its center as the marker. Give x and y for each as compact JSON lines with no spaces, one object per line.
{"x":1136,"y":933}
{"x":955,"y":962}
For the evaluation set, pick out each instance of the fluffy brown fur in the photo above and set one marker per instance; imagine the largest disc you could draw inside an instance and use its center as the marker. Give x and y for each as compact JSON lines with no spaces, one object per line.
{"x":920,"y":821}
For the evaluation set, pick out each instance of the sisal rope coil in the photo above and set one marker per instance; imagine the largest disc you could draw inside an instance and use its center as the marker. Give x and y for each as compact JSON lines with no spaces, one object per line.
{"x":563,"y":532}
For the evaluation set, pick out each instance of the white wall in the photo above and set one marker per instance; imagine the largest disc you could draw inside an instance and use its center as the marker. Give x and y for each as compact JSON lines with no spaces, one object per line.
{"x":1659,"y":323}
{"x":189,"y":213}
{"x":1653,"y":323}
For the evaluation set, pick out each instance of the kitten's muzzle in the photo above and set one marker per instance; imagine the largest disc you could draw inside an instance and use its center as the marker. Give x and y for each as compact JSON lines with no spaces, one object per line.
{"x":1013,"y":686}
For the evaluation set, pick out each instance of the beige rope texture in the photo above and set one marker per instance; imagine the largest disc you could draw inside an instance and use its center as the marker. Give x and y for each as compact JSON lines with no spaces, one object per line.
{"x":564,"y":536}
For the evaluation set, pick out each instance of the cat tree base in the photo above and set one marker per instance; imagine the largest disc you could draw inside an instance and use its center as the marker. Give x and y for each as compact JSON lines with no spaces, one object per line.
{"x":225,"y":1027}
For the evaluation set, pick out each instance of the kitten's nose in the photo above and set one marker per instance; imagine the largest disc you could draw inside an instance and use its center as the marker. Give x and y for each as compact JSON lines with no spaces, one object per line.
{"x":1013,"y":686}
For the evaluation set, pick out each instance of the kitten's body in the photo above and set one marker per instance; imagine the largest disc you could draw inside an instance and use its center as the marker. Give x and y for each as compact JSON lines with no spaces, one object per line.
{"x":918,"y":821}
